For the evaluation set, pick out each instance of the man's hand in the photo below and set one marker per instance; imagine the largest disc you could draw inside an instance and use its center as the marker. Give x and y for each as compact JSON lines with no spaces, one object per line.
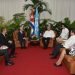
{"x":10,"y":41}
{"x":59,"y":40}
{"x":24,"y":38}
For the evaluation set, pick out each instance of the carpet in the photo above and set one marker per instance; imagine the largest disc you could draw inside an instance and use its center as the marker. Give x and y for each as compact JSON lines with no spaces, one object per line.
{"x":33,"y":61}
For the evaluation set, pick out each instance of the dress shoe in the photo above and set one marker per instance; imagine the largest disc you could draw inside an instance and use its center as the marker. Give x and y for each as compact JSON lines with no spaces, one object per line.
{"x":23,"y":47}
{"x":53,"y":57}
{"x":57,"y":65}
{"x":44,"y":47}
{"x":12,"y":56}
{"x":50,"y":54}
{"x":9,"y":63}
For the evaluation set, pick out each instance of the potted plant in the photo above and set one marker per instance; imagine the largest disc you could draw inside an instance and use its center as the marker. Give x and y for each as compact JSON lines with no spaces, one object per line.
{"x":34,"y":40}
{"x":42,"y":6}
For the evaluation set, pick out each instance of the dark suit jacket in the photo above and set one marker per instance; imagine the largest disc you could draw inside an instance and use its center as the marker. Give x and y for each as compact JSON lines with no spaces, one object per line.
{"x":21,"y":36}
{"x":3,"y":40}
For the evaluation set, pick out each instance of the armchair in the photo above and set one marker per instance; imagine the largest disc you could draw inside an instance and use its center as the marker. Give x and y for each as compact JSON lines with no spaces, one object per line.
{"x":15,"y":37}
{"x":51,"y":42}
{"x":70,"y":63}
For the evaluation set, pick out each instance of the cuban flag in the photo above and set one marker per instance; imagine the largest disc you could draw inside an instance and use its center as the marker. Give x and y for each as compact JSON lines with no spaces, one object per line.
{"x":36,"y":32}
{"x":32,"y":23}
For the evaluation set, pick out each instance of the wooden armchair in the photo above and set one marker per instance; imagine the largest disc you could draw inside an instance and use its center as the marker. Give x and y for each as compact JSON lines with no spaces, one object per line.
{"x":51,"y":42}
{"x":15,"y":37}
{"x":70,"y":63}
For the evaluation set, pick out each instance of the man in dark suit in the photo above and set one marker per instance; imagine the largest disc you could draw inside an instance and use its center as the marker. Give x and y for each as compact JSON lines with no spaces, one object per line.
{"x":4,"y":42}
{"x":21,"y":37}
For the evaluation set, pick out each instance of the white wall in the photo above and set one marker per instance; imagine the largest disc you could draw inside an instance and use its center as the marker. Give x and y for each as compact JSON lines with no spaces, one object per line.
{"x":10,"y":7}
{"x":60,"y":8}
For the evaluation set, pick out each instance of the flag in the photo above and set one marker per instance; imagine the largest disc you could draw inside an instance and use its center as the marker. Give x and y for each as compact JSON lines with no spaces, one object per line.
{"x":32,"y":23}
{"x":32,"y":28}
{"x":36,"y":32}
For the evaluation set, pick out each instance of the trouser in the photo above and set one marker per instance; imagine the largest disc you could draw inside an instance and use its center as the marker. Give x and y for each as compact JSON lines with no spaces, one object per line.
{"x":56,"y":50}
{"x":6,"y":55}
{"x":12,"y":49}
{"x":45,"y":42}
{"x":23,"y":43}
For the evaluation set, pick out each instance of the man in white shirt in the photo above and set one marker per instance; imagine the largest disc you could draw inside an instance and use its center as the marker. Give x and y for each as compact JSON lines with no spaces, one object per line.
{"x":64,"y":34}
{"x":67,"y":46}
{"x":47,"y":35}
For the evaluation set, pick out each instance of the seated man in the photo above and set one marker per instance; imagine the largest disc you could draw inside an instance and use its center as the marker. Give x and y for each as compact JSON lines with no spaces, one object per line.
{"x":63,"y":36}
{"x":5,"y":41}
{"x":4,"y":51}
{"x":21,"y":37}
{"x":46,"y":36}
{"x":67,"y":46}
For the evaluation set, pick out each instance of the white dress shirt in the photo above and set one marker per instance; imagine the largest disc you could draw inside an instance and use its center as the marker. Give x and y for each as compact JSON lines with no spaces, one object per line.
{"x":64,"y":34}
{"x":49,"y":34}
{"x":70,"y":43}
